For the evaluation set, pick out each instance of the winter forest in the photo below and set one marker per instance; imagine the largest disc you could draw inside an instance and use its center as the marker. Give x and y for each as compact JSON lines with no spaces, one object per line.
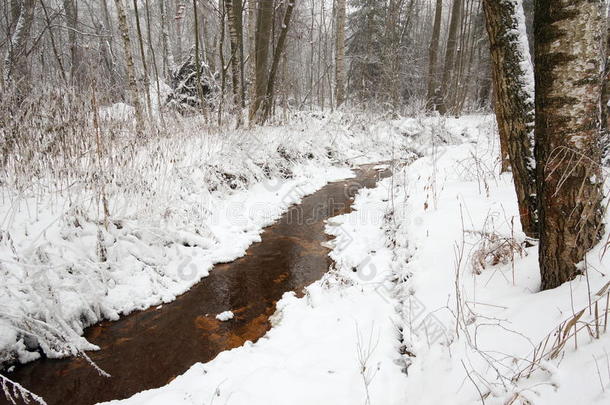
{"x":374,"y":202}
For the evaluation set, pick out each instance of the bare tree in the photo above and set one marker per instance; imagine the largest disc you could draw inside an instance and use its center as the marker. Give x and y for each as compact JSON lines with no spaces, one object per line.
{"x":252,"y":49}
{"x":71,"y":11}
{"x":143,"y":57}
{"x":569,"y":64}
{"x":452,"y":42}
{"x":340,"y":74}
{"x":234,"y":12}
{"x":279,"y":49}
{"x":513,"y":79}
{"x":131,"y":74}
{"x":431,"y":101}
{"x":168,"y":56}
{"x":264,"y":24}
{"x":15,"y":62}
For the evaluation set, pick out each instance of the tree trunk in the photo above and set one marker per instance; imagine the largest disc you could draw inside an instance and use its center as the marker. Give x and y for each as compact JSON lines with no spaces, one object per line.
{"x":452,"y":41}
{"x":513,"y":79}
{"x":264,"y":25}
{"x":131,"y":74}
{"x":569,"y":64}
{"x":179,"y":18}
{"x":279,"y":48}
{"x":340,"y":53}
{"x":71,"y":11}
{"x":143,"y":56}
{"x":56,"y":52}
{"x":605,"y":142}
{"x":154,"y":63}
{"x":606,"y":86}
{"x":233,"y":8}
{"x":433,"y":56}
{"x":252,"y":50}
{"x":168,"y":56}
{"x":16,"y":69}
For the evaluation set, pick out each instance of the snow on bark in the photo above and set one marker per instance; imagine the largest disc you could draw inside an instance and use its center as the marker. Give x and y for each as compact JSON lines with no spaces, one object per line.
{"x":14,"y":62}
{"x":513,"y":78}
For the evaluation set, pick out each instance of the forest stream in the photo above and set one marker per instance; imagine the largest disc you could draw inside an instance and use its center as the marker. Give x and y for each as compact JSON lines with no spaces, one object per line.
{"x":147,"y":349}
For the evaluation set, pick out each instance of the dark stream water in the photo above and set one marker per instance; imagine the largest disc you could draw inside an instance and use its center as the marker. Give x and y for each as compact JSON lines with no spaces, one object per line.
{"x":147,"y":349}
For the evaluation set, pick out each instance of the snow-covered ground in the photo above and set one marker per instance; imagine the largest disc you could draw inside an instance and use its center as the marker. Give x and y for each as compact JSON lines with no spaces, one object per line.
{"x":176,"y":205}
{"x":434,"y":300}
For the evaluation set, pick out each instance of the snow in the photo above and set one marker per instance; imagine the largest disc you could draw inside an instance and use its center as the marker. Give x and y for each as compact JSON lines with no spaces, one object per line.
{"x":225,"y":316}
{"x":177,"y":206}
{"x":117,"y":111}
{"x":433,"y":299}
{"x":411,"y":313}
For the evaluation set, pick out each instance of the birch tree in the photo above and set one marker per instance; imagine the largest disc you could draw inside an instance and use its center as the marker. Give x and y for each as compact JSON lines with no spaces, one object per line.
{"x":131,"y":74}
{"x":168,"y":57}
{"x":15,"y":62}
{"x":569,"y":65}
{"x":513,"y":79}
{"x":234,"y":12}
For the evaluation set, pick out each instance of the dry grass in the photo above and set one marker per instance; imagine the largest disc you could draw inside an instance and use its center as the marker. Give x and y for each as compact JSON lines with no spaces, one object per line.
{"x":494,"y":249}
{"x":591,"y":321}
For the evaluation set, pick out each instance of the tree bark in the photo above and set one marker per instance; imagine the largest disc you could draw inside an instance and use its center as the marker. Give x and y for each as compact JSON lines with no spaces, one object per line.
{"x":513,"y":79}
{"x":606,"y":86}
{"x":131,"y":74}
{"x":15,"y":63}
{"x":168,"y":57}
{"x":340,"y":74}
{"x":452,"y":41}
{"x":433,"y":56}
{"x":233,"y":8}
{"x":252,"y":50}
{"x":605,"y":141}
{"x":264,"y":25}
{"x":143,"y":57}
{"x":569,"y":64}
{"x":71,"y":11}
{"x":279,"y":48}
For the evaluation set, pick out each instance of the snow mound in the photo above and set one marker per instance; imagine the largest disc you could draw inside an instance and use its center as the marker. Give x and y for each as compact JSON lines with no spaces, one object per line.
{"x":225,"y":316}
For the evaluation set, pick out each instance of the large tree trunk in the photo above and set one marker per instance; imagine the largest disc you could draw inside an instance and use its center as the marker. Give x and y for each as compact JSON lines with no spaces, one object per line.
{"x":131,"y":74}
{"x":264,"y":24}
{"x":452,"y":42}
{"x":340,"y":74}
{"x":16,"y":69}
{"x":279,"y":48}
{"x":513,"y":79}
{"x":569,"y":51}
{"x":431,"y":99}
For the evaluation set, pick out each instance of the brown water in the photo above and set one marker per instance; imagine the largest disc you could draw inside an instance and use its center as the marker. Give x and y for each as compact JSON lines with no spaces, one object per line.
{"x":148,"y":349}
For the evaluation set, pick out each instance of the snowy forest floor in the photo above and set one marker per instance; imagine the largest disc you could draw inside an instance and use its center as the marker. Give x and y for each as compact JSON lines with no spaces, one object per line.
{"x":433,"y":299}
